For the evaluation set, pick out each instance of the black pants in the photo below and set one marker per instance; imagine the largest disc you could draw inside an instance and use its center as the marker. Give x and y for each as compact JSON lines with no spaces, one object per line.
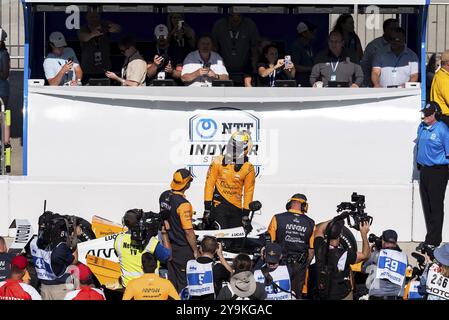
{"x":297,"y":273}
{"x":226,"y":216}
{"x":177,"y":266}
{"x":432,"y":187}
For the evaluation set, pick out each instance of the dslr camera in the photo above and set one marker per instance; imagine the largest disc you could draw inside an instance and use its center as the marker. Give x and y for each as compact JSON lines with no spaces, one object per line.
{"x":376,"y":240}
{"x":355,"y":210}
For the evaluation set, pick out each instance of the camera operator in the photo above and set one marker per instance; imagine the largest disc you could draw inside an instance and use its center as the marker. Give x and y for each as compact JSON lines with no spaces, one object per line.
{"x":435,"y":279}
{"x":52,"y":255}
{"x":333,"y":262}
{"x":179,"y":227}
{"x":274,"y":276}
{"x":204,"y":275}
{"x":132,"y":244}
{"x":293,"y":231}
{"x":387,"y":267}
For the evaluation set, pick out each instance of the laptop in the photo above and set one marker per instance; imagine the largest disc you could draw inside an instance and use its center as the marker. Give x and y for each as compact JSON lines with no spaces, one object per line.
{"x":338,"y":84}
{"x":99,"y":82}
{"x":163,"y":83}
{"x":222,"y":83}
{"x":285,"y":83}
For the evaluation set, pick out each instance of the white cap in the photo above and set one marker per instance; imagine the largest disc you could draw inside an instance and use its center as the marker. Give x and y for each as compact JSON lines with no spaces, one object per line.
{"x":161,"y":30}
{"x":302,"y":27}
{"x":57,"y":39}
{"x":3,"y":34}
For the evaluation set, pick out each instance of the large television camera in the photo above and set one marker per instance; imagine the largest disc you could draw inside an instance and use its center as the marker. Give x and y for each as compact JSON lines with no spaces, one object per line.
{"x":355,"y":211}
{"x":55,"y":228}
{"x":147,"y":226}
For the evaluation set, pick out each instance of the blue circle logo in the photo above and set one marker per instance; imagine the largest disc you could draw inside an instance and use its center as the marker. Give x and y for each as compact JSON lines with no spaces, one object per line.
{"x":206,"y":128}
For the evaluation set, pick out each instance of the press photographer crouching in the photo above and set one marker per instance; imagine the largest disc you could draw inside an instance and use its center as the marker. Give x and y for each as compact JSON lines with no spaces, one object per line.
{"x":435,"y":279}
{"x":333,"y":261}
{"x":274,"y":276}
{"x":53,"y":251}
{"x":141,"y":237}
{"x":386,"y":267}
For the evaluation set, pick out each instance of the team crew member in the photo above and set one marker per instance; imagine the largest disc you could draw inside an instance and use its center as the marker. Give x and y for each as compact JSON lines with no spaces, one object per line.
{"x":274,"y":276}
{"x":293,"y":231}
{"x":14,"y":288}
{"x":150,"y":286}
{"x":433,"y":159}
{"x":180,"y":228}
{"x":130,"y":252}
{"x":439,"y":91}
{"x":333,"y":263}
{"x":230,"y":177}
{"x":435,"y":279}
{"x":86,"y":290}
{"x":387,"y":267}
{"x":205,"y":276}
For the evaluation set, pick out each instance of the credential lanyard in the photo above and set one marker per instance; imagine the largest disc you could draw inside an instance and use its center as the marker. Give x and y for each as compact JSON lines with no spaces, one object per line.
{"x":334,"y":68}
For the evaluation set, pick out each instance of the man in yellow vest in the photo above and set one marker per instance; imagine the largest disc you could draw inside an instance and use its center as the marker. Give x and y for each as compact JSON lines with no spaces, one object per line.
{"x":130,"y":246}
{"x":439,"y":91}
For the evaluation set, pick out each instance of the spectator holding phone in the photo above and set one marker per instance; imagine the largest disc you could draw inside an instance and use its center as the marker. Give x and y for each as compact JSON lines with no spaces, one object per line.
{"x":134,"y":70}
{"x":203,"y":65}
{"x":271,"y":68}
{"x":95,"y":45}
{"x":61,"y":66}
{"x":180,"y":33}
{"x":166,"y":61}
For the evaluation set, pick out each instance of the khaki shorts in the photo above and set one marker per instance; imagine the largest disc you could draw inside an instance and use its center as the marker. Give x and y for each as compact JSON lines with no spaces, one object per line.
{"x":56,"y":291}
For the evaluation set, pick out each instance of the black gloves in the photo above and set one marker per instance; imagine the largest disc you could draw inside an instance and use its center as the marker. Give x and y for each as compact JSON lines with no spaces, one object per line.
{"x":206,"y":214}
{"x":245,"y":221}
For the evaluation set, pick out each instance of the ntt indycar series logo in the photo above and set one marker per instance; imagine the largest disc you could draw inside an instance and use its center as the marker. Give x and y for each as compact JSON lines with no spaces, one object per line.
{"x":210,"y":131}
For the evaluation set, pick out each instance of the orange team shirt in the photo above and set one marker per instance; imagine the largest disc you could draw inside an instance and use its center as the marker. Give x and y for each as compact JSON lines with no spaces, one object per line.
{"x":150,"y":287}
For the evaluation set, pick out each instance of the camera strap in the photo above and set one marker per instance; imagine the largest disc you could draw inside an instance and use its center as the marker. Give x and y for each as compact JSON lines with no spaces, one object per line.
{"x":269,"y":281}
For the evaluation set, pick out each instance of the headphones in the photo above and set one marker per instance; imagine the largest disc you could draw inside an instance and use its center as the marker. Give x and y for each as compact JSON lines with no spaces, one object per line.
{"x":438,"y":112}
{"x":302,"y":199}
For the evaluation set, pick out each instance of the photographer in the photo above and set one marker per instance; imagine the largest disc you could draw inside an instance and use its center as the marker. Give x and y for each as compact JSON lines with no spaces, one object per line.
{"x":293,"y":231}
{"x":52,"y":255}
{"x":274,"y":276}
{"x":435,"y":279}
{"x":333,"y":262}
{"x":179,"y":227}
{"x":387,"y":267}
{"x":141,"y":237}
{"x":203,"y":65}
{"x":204,"y":275}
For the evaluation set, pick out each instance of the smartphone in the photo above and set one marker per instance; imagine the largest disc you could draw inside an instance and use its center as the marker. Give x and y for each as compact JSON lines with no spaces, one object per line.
{"x":70,"y":59}
{"x":206,"y":65}
{"x":287,"y":61}
{"x":180,"y":24}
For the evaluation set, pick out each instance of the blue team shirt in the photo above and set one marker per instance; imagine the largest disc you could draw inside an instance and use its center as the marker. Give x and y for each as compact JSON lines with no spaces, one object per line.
{"x":433,"y":144}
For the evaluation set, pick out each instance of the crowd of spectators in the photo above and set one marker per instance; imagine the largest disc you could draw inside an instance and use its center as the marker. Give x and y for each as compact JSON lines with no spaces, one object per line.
{"x":234,"y":50}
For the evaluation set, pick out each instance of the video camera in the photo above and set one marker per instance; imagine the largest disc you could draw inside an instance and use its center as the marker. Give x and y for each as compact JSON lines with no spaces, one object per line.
{"x":356,"y":210}
{"x":376,"y":240}
{"x":425,"y":249}
{"x":55,"y":228}
{"x":147,"y":226}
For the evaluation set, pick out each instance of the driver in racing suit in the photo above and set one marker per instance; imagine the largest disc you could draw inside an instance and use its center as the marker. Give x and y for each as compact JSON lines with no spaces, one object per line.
{"x":230,"y":177}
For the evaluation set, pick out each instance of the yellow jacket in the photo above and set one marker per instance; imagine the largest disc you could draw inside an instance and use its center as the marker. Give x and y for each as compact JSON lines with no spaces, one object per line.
{"x":439,"y":92}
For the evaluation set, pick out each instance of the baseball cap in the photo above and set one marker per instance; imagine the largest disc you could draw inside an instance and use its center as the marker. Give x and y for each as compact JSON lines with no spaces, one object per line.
{"x":430,"y":108}
{"x":302,"y":27}
{"x":273,"y":252}
{"x":57,"y":39}
{"x":390,"y":236}
{"x":298,"y":197}
{"x":85,"y":274}
{"x":19,"y":262}
{"x":180,"y":179}
{"x":161,"y":30}
{"x":442,"y":254}
{"x":445,"y":56}
{"x":3,"y":34}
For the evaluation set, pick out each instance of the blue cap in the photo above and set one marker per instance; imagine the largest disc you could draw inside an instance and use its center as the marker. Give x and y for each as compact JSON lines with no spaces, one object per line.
{"x":442,"y":254}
